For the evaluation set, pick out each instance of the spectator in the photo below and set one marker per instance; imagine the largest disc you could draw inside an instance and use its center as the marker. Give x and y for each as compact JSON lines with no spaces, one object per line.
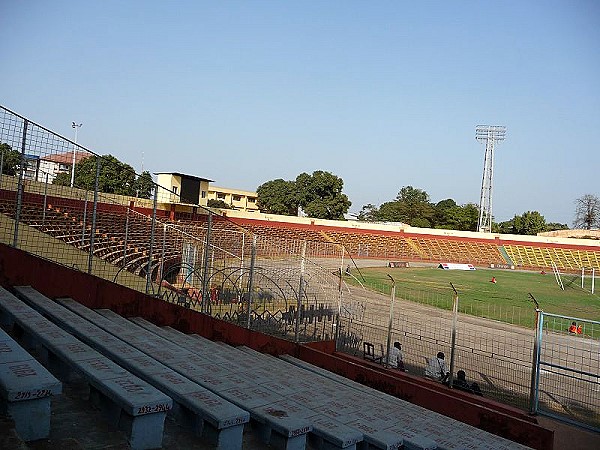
{"x":436,"y":368}
{"x":396,"y":360}
{"x":462,"y":384}
{"x":579,"y":330}
{"x":573,"y":328}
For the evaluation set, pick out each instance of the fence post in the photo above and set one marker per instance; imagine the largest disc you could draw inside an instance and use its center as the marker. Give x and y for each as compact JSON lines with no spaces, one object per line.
{"x":20,"y":186}
{"x":205,"y":296}
{"x":251,"y":281}
{"x":300,"y":291}
{"x":85,"y":204}
{"x":125,"y":239}
{"x":94,"y":214}
{"x":389,"y":332}
{"x":162,"y":257}
{"x":151,"y":249}
{"x":1,"y":166}
{"x":453,"y":340}
{"x":339,"y":312}
{"x":45,"y":199}
{"x":535,"y":364}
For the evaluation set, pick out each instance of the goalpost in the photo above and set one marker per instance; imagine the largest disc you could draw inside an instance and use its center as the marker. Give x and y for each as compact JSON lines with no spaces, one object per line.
{"x":592,"y":276}
{"x":557,"y":276}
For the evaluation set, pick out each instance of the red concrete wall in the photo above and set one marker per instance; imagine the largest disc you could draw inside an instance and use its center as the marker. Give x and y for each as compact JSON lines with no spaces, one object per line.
{"x":21,"y":268}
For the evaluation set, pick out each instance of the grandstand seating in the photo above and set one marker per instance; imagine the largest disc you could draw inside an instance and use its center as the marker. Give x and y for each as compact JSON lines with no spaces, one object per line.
{"x":121,"y":238}
{"x":286,"y":401}
{"x":131,"y":404}
{"x":542,"y":257}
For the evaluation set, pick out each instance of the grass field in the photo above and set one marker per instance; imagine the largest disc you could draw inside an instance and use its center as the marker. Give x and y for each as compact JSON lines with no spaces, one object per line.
{"x":506,"y":300}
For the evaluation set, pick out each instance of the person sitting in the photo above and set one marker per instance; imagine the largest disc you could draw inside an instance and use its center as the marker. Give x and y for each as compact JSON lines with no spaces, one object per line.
{"x":396,"y":357}
{"x":436,"y":368}
{"x":579,"y":330}
{"x":462,"y":384}
{"x":573,"y":328}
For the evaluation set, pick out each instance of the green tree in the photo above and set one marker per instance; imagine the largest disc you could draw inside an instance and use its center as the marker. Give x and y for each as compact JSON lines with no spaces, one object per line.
{"x":415,"y":208}
{"x":553,"y":226}
{"x":278,"y":197}
{"x":440,"y":212}
{"x":214,"y":203}
{"x":529,"y":223}
{"x":143,"y":185}
{"x":10,"y":160}
{"x":115,"y":177}
{"x":368,"y":213}
{"x":390,"y":212}
{"x":320,"y":195}
{"x":460,"y":217}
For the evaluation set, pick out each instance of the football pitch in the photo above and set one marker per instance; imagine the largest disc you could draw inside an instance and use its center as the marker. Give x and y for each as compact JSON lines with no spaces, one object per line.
{"x":507,"y":300}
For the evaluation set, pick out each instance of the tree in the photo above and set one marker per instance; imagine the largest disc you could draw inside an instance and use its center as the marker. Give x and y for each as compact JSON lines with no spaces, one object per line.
{"x":529,"y":223}
{"x":143,"y":185}
{"x":414,"y":207}
{"x":587,"y":212}
{"x":214,"y":203}
{"x":115,"y":177}
{"x":460,"y":217}
{"x":10,"y":160}
{"x":320,"y":195}
{"x":368,"y":213}
{"x":278,"y":197}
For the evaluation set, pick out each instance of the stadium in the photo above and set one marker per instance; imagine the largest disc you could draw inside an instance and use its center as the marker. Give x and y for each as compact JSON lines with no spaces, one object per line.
{"x":250,"y":330}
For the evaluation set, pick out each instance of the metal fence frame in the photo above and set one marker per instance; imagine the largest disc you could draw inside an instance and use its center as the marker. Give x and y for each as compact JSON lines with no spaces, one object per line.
{"x":293,"y":288}
{"x":284,"y":287}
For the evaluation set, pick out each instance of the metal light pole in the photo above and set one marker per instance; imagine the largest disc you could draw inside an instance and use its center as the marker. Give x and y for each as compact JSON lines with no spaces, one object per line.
{"x":490,"y":135}
{"x":76,"y":126}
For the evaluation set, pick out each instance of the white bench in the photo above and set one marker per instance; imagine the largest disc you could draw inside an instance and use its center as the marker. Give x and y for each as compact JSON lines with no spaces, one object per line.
{"x":26,"y":388}
{"x":326,"y":433}
{"x":219,"y":421}
{"x":130,"y":403}
{"x":282,"y":430}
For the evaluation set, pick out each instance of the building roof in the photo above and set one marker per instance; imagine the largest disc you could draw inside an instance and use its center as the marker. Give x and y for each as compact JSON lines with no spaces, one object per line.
{"x":179,"y":174}
{"x":66,"y":158}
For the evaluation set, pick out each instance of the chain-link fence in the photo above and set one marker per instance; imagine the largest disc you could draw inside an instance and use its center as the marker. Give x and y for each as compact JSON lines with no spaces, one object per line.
{"x":63,"y":202}
{"x":495,"y":355}
{"x":67,"y":204}
{"x":566,"y":379}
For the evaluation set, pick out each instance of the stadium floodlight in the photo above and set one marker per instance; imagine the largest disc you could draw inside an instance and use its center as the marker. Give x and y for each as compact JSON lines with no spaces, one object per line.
{"x":76,"y":126}
{"x":490,"y":135}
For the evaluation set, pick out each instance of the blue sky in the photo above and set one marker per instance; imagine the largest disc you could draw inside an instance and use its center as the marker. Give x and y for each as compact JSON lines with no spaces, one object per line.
{"x":383,"y":94}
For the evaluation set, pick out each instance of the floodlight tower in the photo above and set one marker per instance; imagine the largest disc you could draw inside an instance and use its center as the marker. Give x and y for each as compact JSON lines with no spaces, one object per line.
{"x":490,"y":135}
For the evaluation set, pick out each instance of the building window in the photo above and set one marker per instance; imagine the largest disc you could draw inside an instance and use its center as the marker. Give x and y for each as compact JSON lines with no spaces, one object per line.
{"x":251,"y":200}
{"x":220,"y":196}
{"x":174,"y":189}
{"x":203,"y":194}
{"x":237,"y":198}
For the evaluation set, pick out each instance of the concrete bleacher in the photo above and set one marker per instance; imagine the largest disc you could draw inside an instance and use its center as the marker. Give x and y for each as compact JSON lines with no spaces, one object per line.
{"x":216,"y":420}
{"x":339,"y":407}
{"x":26,"y":388}
{"x":277,"y":394}
{"x":129,"y":403}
